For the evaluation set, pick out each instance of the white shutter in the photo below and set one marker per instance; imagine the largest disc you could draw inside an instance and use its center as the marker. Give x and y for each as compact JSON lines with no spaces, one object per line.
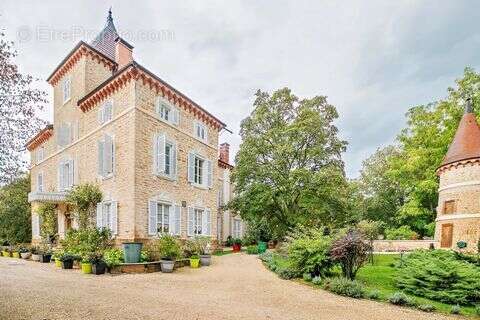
{"x":99,"y":215}
{"x":113,"y":217}
{"x":108,"y":110}
{"x":161,"y":153}
{"x":40,"y":182}
{"x":101,"y":172}
{"x":60,"y":176}
{"x":191,"y":167}
{"x":209,"y":173}
{"x":152,"y":218}
{"x":175,"y":116}
{"x":173,"y":160}
{"x":190,"y":221}
{"x":178,"y":220}
{"x":100,"y":115}
{"x":155,"y":154}
{"x":108,"y":155}
{"x":171,"y":220}
{"x":157,"y":106}
{"x":71,"y":173}
{"x":206,"y":222}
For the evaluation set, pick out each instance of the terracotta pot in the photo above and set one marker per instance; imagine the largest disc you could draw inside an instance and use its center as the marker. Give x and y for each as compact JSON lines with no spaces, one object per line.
{"x":237,"y":247}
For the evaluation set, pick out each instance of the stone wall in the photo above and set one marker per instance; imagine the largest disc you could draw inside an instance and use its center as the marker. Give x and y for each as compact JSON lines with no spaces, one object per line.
{"x":402,"y":245}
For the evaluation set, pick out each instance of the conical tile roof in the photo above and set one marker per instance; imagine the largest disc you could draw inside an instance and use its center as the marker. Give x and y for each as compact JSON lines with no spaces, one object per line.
{"x":466,"y":143}
{"x":105,"y":40}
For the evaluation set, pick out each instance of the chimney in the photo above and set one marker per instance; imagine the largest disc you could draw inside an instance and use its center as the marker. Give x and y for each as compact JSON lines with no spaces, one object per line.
{"x":225,"y":152}
{"x":123,"y":52}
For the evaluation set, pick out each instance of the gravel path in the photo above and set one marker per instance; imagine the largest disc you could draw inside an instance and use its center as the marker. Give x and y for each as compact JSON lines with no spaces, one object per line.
{"x":236,"y":286}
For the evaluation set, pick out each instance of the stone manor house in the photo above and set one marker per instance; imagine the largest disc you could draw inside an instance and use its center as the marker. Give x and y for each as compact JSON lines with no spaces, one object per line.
{"x":153,"y":152}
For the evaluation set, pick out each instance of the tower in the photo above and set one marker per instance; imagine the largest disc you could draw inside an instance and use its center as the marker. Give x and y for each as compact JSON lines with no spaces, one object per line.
{"x":458,"y":211}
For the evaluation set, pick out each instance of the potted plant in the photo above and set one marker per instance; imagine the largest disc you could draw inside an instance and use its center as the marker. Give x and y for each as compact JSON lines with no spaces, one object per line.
{"x":15,"y":252}
{"x":204,"y":247}
{"x":45,"y":253}
{"x":194,"y":261}
{"x":56,"y":257}
{"x":24,"y":253}
{"x":67,"y":260}
{"x":169,"y":251}
{"x":6,"y":252}
{"x":98,"y":265}
{"x":86,"y":265}
{"x":237,"y":245}
{"x":113,"y":258}
{"x":35,"y":253}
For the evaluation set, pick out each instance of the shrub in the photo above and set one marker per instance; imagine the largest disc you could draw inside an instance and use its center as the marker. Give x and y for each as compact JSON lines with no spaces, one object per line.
{"x":113,"y":257}
{"x":286,"y":272}
{"x":317,"y":281}
{"x":400,"y":299}
{"x":351,"y":251}
{"x":168,"y":247}
{"x":84,"y":198}
{"x":309,"y":253}
{"x":440,"y":276}
{"x":307,"y":277}
{"x":266,"y":257}
{"x":455,"y":309}
{"x":345,"y":287}
{"x":477,"y":310}
{"x":374,"y":295}
{"x":402,"y":233}
{"x":252,"y":250}
{"x":48,"y":216}
{"x":88,"y":243}
{"x":426,"y":307}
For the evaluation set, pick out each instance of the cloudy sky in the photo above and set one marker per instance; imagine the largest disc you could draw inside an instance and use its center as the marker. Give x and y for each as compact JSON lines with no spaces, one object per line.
{"x":373,"y":60}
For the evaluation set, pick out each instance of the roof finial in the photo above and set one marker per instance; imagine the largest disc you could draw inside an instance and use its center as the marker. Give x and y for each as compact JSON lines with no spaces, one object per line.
{"x":468,"y":106}
{"x":110,"y":18}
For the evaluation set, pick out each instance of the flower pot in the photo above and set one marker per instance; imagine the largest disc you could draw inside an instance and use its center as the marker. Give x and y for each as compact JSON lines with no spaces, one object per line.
{"x":86,"y":268}
{"x":16,"y":255}
{"x":25,"y":255}
{"x":67,"y":264}
{"x":205,"y":259}
{"x":35,"y":257}
{"x":237,"y":247}
{"x":58,"y":263}
{"x":99,"y":268}
{"x":262,"y":246}
{"x":194,"y":262}
{"x":167,"y":265}
{"x":5,"y":253}
{"x":131,"y":252}
{"x":45,"y":258}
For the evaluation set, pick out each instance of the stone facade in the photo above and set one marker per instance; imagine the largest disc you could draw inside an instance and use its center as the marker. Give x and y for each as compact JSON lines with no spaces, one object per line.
{"x":133,"y":124}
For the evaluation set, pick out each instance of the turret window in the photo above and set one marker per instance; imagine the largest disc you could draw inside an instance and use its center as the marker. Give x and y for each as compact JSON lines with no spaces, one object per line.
{"x":449,"y":207}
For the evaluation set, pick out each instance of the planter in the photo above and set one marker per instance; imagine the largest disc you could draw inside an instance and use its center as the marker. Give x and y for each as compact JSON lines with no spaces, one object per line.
{"x":35,"y":257}
{"x":99,"y":268}
{"x":25,"y":255}
{"x":58,"y":263}
{"x":131,"y":252}
{"x":167,"y":265}
{"x":205,"y":259}
{"x":45,"y":258}
{"x":262,"y":246}
{"x":16,"y":255}
{"x":5,"y":253}
{"x":237,"y":247}
{"x":194,"y":262}
{"x":86,"y":268}
{"x":67,"y":264}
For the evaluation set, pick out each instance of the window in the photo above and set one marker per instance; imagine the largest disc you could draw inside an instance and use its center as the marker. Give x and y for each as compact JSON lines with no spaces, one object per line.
{"x":164,"y":156}
{"x":40,"y":154}
{"x":200,"y":171}
{"x":163,"y":217}
{"x":66,"y":89}
{"x":237,"y":228}
{"x":449,"y":207}
{"x":200,"y":131}
{"x":166,"y":112}
{"x":64,"y":135}
{"x":65,"y":175}
{"x":105,"y":113}
{"x":106,"y":157}
{"x":198,"y":221}
{"x":40,"y":182}
{"x":107,"y":216}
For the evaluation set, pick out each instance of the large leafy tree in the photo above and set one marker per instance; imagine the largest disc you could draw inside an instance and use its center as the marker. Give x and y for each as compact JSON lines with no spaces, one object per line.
{"x":19,"y":105}
{"x":15,"y":223}
{"x":289,"y":169}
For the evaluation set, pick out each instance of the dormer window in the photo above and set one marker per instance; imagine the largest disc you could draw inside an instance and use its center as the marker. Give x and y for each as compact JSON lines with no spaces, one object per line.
{"x":200,"y":131}
{"x":167,"y":112}
{"x":66,"y":84}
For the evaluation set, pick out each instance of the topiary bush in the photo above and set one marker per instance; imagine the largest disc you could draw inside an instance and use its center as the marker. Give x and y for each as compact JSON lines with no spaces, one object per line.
{"x":345,"y":287}
{"x":439,"y":275}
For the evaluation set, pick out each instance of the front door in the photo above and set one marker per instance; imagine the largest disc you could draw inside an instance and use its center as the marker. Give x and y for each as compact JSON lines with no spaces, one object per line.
{"x":447,"y":234}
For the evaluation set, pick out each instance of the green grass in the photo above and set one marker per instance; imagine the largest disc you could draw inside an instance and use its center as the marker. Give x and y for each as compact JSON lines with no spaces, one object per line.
{"x":381,"y":276}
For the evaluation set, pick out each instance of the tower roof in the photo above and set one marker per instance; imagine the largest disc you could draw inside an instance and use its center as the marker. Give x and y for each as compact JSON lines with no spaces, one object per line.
{"x":466,"y":143}
{"x":105,"y":40}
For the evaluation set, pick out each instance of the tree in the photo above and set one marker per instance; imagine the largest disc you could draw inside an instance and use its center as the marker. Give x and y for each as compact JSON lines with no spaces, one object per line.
{"x":370,"y":231}
{"x":15,"y":219}
{"x":289,"y":169}
{"x":19,"y":121}
{"x":351,"y":251}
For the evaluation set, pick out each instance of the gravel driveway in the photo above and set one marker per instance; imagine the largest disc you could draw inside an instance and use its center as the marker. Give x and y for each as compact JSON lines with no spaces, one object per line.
{"x":236,"y":286}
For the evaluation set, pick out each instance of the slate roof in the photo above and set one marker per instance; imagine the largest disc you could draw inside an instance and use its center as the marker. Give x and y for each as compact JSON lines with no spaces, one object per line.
{"x":105,"y":40}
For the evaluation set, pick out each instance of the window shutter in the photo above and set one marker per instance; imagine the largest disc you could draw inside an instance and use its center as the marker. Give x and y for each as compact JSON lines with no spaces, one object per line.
{"x":178,"y":220}
{"x":155,"y":154}
{"x":190,"y":221}
{"x":176,"y":116}
{"x":174,"y":160}
{"x":191,"y":166}
{"x":60,"y":176}
{"x":206,"y":222}
{"x":100,"y":115}
{"x":108,"y":155}
{"x":157,"y":105}
{"x":71,"y":173}
{"x":113,"y":217}
{"x":101,"y":172}
{"x":108,"y":110}
{"x":99,"y":215}
{"x":40,"y":182}
{"x":161,"y":153}
{"x":209,"y":173}
{"x":152,"y":218}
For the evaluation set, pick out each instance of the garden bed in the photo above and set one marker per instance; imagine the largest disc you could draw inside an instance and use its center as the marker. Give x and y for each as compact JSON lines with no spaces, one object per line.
{"x":146,"y":267}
